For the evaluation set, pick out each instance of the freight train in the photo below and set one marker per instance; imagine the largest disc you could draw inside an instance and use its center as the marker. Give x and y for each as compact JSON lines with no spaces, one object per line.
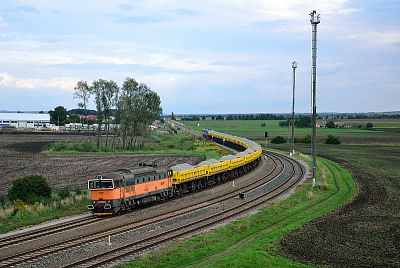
{"x":125,"y":189}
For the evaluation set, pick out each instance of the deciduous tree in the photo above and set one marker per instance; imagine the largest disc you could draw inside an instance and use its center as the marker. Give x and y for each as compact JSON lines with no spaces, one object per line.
{"x":58,"y":116}
{"x":82,"y":93}
{"x":138,"y":107}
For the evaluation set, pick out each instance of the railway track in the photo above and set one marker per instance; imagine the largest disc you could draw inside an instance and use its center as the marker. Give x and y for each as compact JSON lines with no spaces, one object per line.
{"x":29,"y":256}
{"x":130,"y":249}
{"x":13,"y":240}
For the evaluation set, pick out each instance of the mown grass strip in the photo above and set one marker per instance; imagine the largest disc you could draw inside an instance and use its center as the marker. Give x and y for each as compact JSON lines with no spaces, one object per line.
{"x":181,"y":144}
{"x":251,"y":241}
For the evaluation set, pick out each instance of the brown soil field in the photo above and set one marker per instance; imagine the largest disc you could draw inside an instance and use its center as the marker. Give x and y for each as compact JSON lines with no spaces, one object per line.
{"x":20,"y":156}
{"x":364,"y":232}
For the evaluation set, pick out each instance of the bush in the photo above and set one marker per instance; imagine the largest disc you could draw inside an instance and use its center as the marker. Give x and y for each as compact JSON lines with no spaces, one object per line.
{"x":330,"y":124}
{"x":284,"y":123}
{"x":63,"y":193}
{"x":369,"y":125}
{"x":29,"y":189}
{"x":278,"y":140}
{"x":332,"y":140}
{"x":2,"y":200}
{"x":78,"y":191}
{"x":303,"y":122}
{"x":307,"y":139}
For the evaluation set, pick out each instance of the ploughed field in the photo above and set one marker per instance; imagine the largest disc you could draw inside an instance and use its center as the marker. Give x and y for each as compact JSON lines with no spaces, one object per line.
{"x":21,"y":157}
{"x":366,"y":231}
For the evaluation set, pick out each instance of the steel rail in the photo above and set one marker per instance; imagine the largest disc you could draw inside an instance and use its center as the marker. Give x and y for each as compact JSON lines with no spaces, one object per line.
{"x":51,"y":249}
{"x":126,"y":250}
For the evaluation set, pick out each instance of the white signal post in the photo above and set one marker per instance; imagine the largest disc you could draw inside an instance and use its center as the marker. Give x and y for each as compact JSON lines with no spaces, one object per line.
{"x":315,"y":20}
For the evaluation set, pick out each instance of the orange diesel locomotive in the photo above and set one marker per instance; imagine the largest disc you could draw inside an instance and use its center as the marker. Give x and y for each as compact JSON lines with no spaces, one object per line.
{"x":123,"y":189}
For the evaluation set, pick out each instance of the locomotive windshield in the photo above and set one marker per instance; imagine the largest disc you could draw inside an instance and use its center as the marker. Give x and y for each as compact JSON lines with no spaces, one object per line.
{"x":100,"y":184}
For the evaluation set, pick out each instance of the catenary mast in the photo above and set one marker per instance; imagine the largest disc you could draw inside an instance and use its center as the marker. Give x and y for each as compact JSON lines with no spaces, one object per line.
{"x":294,"y":66}
{"x":315,"y":20}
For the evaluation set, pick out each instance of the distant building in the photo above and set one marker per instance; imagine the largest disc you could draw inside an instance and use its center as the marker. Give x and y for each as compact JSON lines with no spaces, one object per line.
{"x":22,"y":120}
{"x":91,"y":116}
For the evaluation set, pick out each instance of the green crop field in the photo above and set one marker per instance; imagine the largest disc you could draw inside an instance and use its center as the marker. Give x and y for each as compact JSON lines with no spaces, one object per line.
{"x":254,"y":130}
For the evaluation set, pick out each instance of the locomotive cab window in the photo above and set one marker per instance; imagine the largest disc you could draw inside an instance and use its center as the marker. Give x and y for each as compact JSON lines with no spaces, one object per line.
{"x":100,"y":184}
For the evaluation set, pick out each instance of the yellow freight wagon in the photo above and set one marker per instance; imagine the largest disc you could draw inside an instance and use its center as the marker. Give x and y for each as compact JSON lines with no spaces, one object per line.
{"x":185,"y":172}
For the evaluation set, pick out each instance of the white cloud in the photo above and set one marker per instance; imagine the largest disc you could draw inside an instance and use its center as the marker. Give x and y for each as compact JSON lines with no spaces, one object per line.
{"x":63,"y":83}
{"x":2,"y":22}
{"x":13,"y":53}
{"x":6,"y":79}
{"x":28,"y":83}
{"x":374,"y":38}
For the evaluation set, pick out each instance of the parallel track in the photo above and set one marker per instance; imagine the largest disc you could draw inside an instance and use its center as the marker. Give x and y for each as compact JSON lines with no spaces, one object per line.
{"x":29,"y":256}
{"x":44,"y":231}
{"x":131,"y":249}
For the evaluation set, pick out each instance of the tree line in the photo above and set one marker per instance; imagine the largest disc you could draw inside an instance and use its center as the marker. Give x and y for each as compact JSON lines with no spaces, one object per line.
{"x":236,"y":117}
{"x":61,"y":116}
{"x":136,"y":106}
{"x":300,"y":122}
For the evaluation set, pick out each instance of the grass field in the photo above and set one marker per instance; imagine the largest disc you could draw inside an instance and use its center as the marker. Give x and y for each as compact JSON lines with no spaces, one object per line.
{"x":252,"y":129}
{"x":163,"y":144}
{"x":251,"y":241}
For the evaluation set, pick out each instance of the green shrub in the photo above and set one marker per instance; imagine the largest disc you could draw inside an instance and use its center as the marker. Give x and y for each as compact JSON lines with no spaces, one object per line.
{"x":78,"y":191}
{"x":369,"y":125}
{"x":331,"y":124}
{"x":20,"y":206}
{"x":278,"y":140}
{"x":64,"y":193}
{"x":307,"y":139}
{"x":58,"y":146}
{"x":332,"y":140}
{"x":2,"y":200}
{"x":29,"y":189}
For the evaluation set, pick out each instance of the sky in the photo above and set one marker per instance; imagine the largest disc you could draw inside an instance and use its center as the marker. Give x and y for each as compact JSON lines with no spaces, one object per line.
{"x":217,"y":56}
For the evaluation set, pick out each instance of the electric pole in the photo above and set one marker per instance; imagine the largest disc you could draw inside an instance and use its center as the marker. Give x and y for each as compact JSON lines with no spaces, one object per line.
{"x":294,"y":66}
{"x":315,"y":19}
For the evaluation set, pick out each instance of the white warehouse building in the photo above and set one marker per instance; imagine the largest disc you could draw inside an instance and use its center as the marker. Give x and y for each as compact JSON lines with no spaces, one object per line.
{"x":22,"y":120}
